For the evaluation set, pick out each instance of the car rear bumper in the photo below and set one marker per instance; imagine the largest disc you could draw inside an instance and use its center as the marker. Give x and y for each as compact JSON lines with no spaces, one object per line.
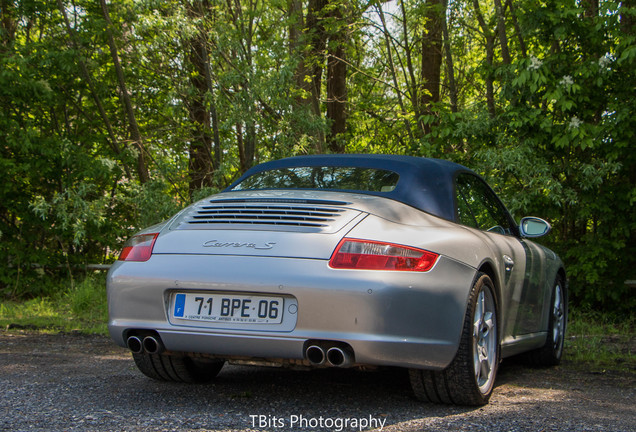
{"x":405,"y":319}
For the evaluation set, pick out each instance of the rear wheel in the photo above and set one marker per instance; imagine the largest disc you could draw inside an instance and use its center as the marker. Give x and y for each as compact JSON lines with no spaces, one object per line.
{"x":550,"y":353}
{"x":470,"y":377}
{"x":177,"y":367}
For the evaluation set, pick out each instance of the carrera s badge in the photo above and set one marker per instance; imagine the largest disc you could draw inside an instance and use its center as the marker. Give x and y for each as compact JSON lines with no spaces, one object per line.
{"x":218,"y":244}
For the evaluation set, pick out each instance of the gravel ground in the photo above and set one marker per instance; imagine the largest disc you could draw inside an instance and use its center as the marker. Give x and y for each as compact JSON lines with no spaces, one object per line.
{"x":75,"y":382}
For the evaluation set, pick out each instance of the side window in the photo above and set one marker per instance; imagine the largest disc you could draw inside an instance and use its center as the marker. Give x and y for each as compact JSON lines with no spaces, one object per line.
{"x":463,"y":209}
{"x":478,"y":207}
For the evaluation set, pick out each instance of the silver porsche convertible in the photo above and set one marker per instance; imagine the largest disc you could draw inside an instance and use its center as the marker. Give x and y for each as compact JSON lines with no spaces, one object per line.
{"x":343,"y":261}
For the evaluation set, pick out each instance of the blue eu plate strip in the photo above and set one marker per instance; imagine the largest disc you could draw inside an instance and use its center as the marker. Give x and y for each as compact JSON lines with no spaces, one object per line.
{"x":179,"y":305}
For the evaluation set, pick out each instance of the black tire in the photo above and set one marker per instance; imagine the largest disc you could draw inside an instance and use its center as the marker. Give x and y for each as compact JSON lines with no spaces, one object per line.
{"x":469,"y":379}
{"x":551,"y":352}
{"x":177,"y":367}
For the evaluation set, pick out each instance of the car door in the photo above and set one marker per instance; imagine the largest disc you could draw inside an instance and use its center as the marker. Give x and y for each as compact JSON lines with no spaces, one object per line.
{"x":478,"y":207}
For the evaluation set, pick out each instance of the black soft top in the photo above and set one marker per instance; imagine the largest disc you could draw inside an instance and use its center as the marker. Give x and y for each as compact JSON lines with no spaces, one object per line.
{"x":426,"y":184}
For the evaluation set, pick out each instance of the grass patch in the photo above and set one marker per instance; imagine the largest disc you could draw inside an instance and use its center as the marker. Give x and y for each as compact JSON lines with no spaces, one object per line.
{"x":82,"y":308}
{"x":600,"y":341}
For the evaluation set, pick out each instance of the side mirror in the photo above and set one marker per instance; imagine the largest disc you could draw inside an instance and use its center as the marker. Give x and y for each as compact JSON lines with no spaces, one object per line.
{"x":534,"y":227}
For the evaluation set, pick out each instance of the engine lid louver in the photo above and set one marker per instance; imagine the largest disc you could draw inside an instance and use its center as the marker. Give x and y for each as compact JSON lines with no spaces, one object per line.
{"x":265,"y":214}
{"x":278,"y":214}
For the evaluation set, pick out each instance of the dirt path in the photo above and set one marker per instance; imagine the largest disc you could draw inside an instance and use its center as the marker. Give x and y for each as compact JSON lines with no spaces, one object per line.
{"x":74,"y":382}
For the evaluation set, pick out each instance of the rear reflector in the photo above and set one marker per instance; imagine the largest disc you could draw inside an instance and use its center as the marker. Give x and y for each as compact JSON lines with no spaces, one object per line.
{"x":372,"y":255}
{"x":138,"y":248}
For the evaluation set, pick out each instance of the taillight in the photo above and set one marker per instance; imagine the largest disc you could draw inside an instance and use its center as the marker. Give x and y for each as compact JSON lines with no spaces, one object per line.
{"x":372,"y":255}
{"x":138,"y":248}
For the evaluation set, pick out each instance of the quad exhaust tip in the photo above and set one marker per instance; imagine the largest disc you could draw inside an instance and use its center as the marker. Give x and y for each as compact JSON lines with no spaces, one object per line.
{"x":152,"y":345}
{"x":316,"y":355}
{"x":334,"y":355}
{"x":149,"y":344}
{"x":338,"y":357}
{"x":135,"y":345}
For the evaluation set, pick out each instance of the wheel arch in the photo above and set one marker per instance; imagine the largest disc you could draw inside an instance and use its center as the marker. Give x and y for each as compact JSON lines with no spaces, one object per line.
{"x":557,"y":272}
{"x":488,"y":268}
{"x":566,"y":293}
{"x":561,"y":273}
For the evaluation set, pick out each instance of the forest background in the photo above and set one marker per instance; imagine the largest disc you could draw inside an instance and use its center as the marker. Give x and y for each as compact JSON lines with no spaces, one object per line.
{"x":114,"y":115}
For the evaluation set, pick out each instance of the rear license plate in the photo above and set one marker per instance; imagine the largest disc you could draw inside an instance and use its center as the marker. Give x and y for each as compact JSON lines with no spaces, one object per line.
{"x":230,"y":308}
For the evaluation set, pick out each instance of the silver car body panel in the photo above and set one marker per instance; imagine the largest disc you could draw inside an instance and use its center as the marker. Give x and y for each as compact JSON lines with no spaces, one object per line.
{"x":387,"y":318}
{"x":407,"y":319}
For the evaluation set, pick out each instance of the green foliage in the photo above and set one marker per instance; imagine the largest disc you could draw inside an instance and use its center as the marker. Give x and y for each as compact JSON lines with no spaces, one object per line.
{"x":560,"y":143}
{"x":572,"y":114}
{"x":556,"y":139}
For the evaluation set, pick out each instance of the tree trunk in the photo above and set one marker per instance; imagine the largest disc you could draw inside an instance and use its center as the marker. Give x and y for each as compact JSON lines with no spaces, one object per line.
{"x":214,"y":115}
{"x":246,"y":145}
{"x":450,"y":67}
{"x":513,"y":14}
{"x":201,"y":164}
{"x":315,"y":41}
{"x":142,"y":168}
{"x":8,"y":25}
{"x":490,"y":54}
{"x":295,"y":31}
{"x":412,"y":85}
{"x":241,"y":147}
{"x":431,"y":57}
{"x":501,"y":31}
{"x":250,"y":144}
{"x":337,"y":84}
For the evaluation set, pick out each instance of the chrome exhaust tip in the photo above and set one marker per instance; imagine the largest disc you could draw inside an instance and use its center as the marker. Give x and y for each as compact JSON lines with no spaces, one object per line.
{"x":315,"y":355}
{"x":152,"y":345}
{"x":338,"y":357}
{"x":135,"y":345}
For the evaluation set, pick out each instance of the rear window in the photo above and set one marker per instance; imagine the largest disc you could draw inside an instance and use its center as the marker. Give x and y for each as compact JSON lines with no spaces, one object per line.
{"x":338,"y":178}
